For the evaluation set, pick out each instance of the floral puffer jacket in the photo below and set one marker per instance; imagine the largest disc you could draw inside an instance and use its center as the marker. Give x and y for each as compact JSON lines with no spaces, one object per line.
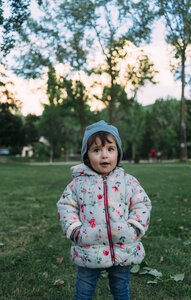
{"x":108,"y":211}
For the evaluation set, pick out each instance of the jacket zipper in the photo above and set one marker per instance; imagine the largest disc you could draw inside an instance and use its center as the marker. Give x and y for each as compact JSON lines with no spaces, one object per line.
{"x":108,"y":220}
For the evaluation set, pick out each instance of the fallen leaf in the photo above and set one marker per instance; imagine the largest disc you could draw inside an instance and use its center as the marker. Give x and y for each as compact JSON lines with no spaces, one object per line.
{"x":178,"y":277}
{"x":153,"y":272}
{"x":135,"y":269}
{"x":59,"y":282}
{"x":45,"y":275}
{"x":187,"y":243}
{"x":59,"y":260}
{"x":152,"y":281}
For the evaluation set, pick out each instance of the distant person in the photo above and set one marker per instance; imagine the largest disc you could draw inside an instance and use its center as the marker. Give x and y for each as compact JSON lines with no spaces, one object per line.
{"x":105,"y":212}
{"x":159,"y":156}
{"x":152,"y":154}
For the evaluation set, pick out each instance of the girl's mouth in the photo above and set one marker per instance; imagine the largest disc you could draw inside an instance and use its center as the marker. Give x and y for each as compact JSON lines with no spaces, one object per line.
{"x":104,"y":164}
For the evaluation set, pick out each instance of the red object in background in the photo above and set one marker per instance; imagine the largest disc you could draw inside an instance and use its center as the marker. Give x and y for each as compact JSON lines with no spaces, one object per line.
{"x":152,"y":152}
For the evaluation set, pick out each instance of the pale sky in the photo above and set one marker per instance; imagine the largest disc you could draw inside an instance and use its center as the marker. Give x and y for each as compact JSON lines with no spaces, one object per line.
{"x":33,"y":92}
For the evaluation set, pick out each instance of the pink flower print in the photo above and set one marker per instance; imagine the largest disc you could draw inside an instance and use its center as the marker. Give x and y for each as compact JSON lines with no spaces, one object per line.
{"x":82,"y":208}
{"x":118,"y":212}
{"x":105,"y":252}
{"x":72,"y":185}
{"x":63,"y":196}
{"x":75,"y":253}
{"x":84,"y":191}
{"x":59,"y":215}
{"x":107,"y":261}
{"x":138,"y":247}
{"x":92,"y":223}
{"x":99,"y":197}
{"x":130,"y":202}
{"x":135,"y":181}
{"x":99,"y":230}
{"x":76,"y":179}
{"x":74,"y":218}
{"x":125,"y":174}
{"x":99,"y":236}
{"x":82,"y":172}
{"x":120,"y":245}
{"x":115,"y":189}
{"x":87,"y":246}
{"x":137,"y":217}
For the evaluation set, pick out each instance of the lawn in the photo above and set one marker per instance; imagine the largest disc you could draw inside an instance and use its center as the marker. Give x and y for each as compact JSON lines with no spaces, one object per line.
{"x":34,"y":255}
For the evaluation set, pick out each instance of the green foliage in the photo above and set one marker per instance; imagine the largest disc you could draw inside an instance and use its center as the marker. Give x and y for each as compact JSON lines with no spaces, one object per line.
{"x":177,"y":16}
{"x":31,"y":131}
{"x":13,"y":23}
{"x":132,"y":128}
{"x":163,"y":126}
{"x":12,"y":133}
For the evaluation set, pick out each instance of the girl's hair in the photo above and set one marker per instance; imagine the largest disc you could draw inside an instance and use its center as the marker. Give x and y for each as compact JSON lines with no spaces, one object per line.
{"x":104,"y":137}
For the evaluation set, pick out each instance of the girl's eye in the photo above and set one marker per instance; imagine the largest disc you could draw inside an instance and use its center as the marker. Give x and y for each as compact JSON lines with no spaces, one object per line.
{"x":96,"y":150}
{"x":110,"y":149}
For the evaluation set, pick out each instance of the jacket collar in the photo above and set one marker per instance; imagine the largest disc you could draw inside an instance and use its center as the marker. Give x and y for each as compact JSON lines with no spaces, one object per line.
{"x":82,"y":169}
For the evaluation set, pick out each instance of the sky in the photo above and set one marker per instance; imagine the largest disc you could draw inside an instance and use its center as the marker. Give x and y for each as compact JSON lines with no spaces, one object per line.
{"x":33,"y":92}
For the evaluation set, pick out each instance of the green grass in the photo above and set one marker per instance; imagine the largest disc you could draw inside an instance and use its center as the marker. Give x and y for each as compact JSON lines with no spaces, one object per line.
{"x":31,"y":239}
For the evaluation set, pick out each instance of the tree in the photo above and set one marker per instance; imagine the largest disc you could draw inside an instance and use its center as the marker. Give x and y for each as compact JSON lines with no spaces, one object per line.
{"x":64,"y":40}
{"x":72,"y":30}
{"x":12,"y":133}
{"x":50,"y":127}
{"x":177,"y":17}
{"x":31,"y":131}
{"x":133,"y":70}
{"x":13,"y":14}
{"x":162,"y":127}
{"x":132,"y":128}
{"x":8,"y":98}
{"x":59,"y":123}
{"x":113,"y":25}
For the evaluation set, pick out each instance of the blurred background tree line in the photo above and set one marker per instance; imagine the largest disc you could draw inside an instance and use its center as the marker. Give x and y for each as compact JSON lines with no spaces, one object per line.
{"x":72,"y":33}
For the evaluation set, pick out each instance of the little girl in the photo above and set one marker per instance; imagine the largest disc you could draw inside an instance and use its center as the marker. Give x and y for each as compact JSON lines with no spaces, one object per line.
{"x":105,"y":212}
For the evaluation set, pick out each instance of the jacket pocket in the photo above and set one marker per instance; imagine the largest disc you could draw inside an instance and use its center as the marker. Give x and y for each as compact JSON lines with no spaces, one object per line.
{"x":124,"y":234}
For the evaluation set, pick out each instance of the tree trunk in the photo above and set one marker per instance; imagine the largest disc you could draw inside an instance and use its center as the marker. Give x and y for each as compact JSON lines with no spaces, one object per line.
{"x":82,"y":113}
{"x":183,"y":144}
{"x":133,"y":151}
{"x":51,"y":153}
{"x":112,"y":96}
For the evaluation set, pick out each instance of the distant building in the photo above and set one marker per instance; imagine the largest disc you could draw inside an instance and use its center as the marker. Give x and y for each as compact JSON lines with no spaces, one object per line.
{"x":27,"y":151}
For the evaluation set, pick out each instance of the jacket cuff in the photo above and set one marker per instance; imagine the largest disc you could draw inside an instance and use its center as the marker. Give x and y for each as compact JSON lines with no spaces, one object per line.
{"x":71,"y":228}
{"x":138,"y":225}
{"x":75,"y":233}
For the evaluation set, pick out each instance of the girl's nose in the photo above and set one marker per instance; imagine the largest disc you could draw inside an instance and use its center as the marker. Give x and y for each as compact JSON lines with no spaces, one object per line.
{"x":104,"y":152}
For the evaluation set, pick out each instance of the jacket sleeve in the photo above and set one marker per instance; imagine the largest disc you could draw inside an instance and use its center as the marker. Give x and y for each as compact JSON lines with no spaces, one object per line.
{"x":68,"y":211}
{"x":139,"y":208}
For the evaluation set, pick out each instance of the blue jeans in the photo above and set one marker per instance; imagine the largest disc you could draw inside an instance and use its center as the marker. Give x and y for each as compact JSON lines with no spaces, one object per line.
{"x":118,"y":282}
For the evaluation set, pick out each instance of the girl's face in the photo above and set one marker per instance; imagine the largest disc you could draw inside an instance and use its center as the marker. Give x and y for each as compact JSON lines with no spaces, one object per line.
{"x":103,"y":159}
